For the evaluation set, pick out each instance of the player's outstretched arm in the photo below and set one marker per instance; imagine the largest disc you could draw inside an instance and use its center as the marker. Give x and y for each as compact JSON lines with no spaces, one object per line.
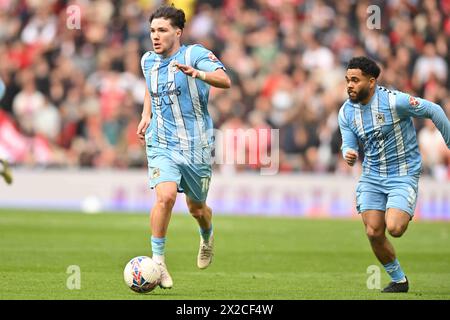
{"x":146,"y":117}
{"x":217,"y":78}
{"x":421,"y":108}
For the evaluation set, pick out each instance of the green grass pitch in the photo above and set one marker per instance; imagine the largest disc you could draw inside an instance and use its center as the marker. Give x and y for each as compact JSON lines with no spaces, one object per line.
{"x":255,"y":257}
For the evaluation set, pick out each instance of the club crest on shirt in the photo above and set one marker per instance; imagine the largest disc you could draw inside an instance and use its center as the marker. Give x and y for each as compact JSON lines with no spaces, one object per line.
{"x":413,"y":101}
{"x":172,"y":67}
{"x":379,"y":118}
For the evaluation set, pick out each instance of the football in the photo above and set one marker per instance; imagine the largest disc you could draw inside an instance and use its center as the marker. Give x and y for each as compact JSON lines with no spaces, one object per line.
{"x":142,"y":274}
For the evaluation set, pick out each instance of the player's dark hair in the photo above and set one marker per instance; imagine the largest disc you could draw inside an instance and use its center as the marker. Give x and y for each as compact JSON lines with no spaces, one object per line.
{"x":366,"y":65}
{"x":176,"y":16}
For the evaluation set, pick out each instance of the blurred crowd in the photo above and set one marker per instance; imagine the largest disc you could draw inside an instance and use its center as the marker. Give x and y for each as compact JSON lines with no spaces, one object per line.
{"x":74,"y":88}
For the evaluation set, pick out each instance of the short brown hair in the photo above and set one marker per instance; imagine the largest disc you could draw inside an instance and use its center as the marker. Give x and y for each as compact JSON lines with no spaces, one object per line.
{"x":176,"y":16}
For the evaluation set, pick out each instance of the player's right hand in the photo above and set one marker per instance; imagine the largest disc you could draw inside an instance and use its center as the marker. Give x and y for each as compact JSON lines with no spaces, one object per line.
{"x":188,"y":70}
{"x":350,"y":157}
{"x":142,"y":128}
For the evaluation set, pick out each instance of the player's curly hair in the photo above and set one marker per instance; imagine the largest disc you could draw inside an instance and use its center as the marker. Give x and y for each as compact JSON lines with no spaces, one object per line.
{"x":366,"y":65}
{"x":176,"y":16}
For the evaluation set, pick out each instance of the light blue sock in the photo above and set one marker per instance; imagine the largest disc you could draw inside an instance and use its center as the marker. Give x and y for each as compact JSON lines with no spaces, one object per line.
{"x":206,"y":233}
{"x":394,"y":270}
{"x":158,"y":245}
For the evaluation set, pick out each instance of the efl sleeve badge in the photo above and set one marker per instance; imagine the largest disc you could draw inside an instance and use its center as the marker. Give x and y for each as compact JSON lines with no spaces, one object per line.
{"x":212,"y":57}
{"x":413,"y":101}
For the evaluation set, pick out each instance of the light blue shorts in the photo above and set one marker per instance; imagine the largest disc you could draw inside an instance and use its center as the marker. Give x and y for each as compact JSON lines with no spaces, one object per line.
{"x":377,"y":193}
{"x":191,"y":170}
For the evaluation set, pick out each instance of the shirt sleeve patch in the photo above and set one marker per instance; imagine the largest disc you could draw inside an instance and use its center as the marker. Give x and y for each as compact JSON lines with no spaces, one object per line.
{"x":413,"y":101}
{"x":212,"y":57}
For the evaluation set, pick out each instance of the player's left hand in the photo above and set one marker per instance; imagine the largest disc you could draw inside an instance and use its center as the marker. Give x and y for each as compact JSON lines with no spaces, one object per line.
{"x":188,"y":70}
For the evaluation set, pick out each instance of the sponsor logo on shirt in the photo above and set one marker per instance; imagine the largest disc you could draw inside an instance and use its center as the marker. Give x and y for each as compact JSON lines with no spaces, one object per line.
{"x":166,"y":93}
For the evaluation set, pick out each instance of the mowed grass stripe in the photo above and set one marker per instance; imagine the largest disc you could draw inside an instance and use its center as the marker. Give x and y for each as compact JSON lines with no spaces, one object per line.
{"x":255,"y":257}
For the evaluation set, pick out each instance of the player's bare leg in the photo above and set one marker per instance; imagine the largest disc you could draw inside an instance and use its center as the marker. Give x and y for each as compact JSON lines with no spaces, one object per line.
{"x":166,"y":193}
{"x":203,"y":214}
{"x":375,"y":223}
{"x":397,"y":221}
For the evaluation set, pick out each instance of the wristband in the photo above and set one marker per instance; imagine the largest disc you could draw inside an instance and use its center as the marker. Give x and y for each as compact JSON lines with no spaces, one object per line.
{"x":202,"y":75}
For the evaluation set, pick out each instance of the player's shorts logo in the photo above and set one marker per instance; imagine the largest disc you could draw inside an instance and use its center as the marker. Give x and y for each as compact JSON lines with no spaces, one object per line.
{"x":155,"y":173}
{"x":379,"y":118}
{"x":413,"y":101}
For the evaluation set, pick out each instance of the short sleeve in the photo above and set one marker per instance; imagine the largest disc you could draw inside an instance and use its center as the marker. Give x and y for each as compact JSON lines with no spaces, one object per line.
{"x":203,"y":59}
{"x":410,"y":106}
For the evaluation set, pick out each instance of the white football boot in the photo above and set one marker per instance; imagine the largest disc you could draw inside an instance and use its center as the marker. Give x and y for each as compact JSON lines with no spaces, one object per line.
{"x":205,"y":252}
{"x":166,"y":280}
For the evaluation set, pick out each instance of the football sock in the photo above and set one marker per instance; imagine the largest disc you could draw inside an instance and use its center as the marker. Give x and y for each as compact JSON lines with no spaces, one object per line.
{"x":206,"y":233}
{"x":158,"y":245}
{"x":395,"y":271}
